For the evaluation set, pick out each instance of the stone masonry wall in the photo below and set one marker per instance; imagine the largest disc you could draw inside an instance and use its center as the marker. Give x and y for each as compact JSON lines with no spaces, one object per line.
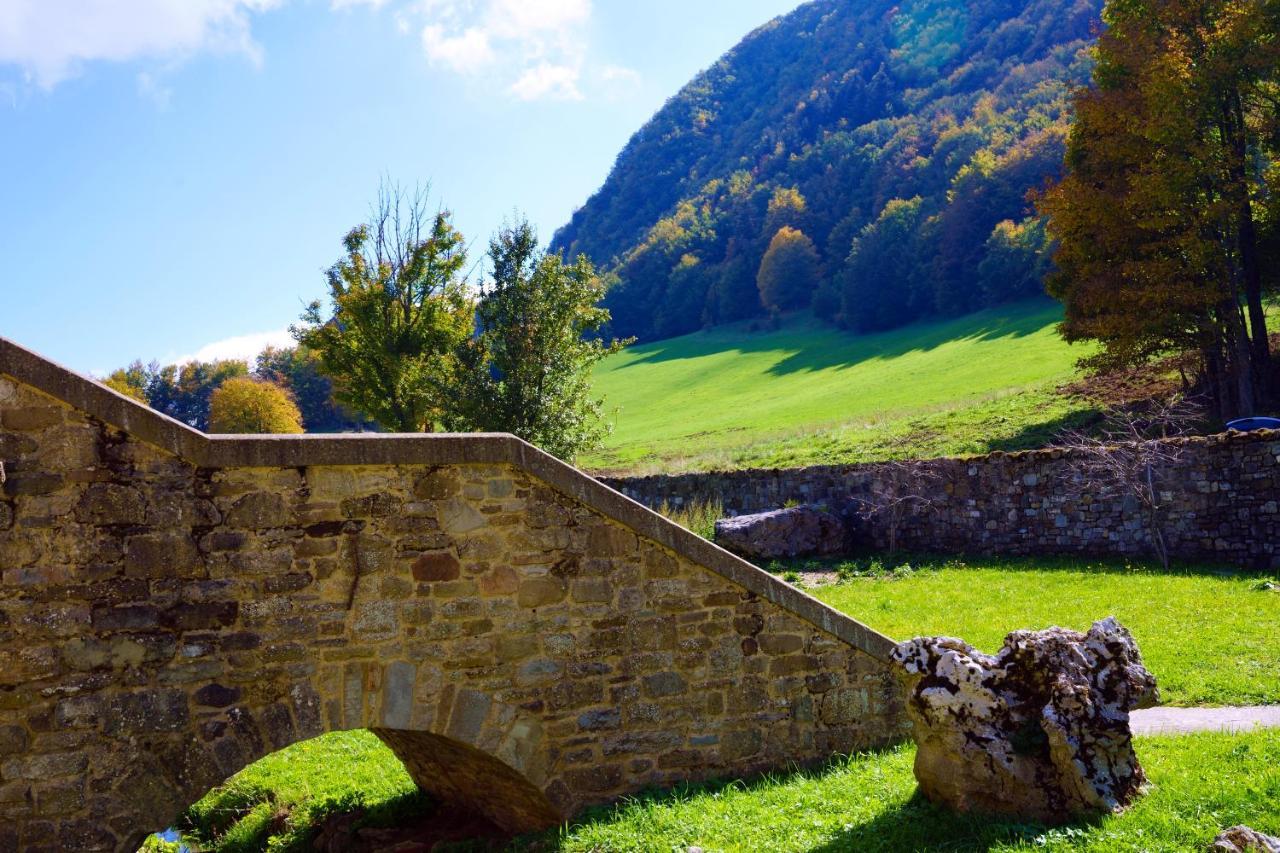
{"x":165,"y":622}
{"x":1223,"y":503}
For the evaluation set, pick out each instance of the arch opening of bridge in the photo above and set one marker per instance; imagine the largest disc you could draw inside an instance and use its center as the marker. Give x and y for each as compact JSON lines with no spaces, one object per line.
{"x":176,"y":605}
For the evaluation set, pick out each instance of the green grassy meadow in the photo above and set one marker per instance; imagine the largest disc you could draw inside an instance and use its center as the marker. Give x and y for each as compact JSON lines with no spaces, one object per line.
{"x":1209,"y":637}
{"x":809,"y":393}
{"x":1200,"y":784}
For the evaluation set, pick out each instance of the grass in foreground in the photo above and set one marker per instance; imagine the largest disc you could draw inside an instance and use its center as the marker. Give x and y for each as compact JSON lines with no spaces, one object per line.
{"x":810,"y":393}
{"x":279,"y":802}
{"x":1211,"y":638}
{"x":1200,"y":785}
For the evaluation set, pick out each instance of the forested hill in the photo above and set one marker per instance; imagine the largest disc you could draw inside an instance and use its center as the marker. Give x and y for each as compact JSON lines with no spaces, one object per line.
{"x":898,"y":137}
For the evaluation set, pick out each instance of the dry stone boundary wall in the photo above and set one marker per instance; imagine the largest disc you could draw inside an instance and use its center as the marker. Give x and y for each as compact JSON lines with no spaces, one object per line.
{"x":1223,"y":503}
{"x":174,"y":606}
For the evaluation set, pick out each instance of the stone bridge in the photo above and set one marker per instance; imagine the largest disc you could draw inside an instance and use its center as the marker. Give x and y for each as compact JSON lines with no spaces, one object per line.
{"x":175,"y":606}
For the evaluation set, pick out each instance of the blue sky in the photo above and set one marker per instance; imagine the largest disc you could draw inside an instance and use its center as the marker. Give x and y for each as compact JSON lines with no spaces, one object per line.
{"x":175,"y":175}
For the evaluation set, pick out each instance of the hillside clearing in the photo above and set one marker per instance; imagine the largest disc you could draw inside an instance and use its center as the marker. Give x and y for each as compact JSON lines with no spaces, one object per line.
{"x":811,"y":394}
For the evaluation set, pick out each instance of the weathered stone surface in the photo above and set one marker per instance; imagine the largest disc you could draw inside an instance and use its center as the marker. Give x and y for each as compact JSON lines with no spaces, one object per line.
{"x":802,"y":531}
{"x":1039,"y":731}
{"x":1220,"y":504}
{"x":528,"y":645}
{"x":1242,"y":839}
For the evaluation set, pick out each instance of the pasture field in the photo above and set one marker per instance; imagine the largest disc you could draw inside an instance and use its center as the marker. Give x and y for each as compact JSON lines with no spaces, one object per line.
{"x":809,"y":393}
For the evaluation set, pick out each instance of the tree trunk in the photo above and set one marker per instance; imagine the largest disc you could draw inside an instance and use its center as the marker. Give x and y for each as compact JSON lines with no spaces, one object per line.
{"x":1247,"y":244}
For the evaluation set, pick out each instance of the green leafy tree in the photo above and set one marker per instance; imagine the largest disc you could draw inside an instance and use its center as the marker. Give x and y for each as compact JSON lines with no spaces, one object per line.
{"x":400,"y":309}
{"x":527,"y":372}
{"x":1016,"y":262}
{"x":789,"y":271}
{"x":1161,"y":220}
{"x":131,"y":381}
{"x":244,"y":406}
{"x":183,"y":391}
{"x":298,"y":370}
{"x":882,"y":279}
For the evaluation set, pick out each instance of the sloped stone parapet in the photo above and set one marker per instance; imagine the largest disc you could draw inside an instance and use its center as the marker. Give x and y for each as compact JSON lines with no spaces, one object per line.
{"x":802,"y":531}
{"x":174,"y":606}
{"x":1039,"y":731}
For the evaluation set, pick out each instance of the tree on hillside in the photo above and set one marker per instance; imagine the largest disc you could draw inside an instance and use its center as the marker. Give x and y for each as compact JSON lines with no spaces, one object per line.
{"x":298,"y":371}
{"x":882,"y":285}
{"x":400,"y":309}
{"x":1018,"y":258}
{"x":1164,"y":217}
{"x":183,"y":391}
{"x":789,"y":271}
{"x":131,"y":381}
{"x":527,"y":371}
{"x":243,"y":406}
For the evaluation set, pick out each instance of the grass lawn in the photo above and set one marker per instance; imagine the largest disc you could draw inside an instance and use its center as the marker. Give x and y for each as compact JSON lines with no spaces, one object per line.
{"x":809,"y":393}
{"x":278,"y":802}
{"x":1200,"y":785}
{"x":1210,"y":638}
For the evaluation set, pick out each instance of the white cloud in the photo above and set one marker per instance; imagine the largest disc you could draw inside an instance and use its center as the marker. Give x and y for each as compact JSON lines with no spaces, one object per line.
{"x":465,"y":53}
{"x":548,"y":81}
{"x":532,"y":49}
{"x":242,"y":348}
{"x":51,"y":40}
{"x":535,"y":49}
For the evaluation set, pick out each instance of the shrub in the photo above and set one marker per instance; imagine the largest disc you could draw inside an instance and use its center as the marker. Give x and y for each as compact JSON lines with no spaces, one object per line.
{"x":251,"y":406}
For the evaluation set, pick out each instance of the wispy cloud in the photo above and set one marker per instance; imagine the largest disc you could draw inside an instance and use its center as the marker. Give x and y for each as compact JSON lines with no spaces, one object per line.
{"x":530,"y":49}
{"x":241,"y":348}
{"x":52,"y":40}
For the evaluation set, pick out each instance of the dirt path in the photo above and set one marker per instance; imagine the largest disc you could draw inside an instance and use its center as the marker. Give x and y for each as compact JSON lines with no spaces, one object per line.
{"x":1177,"y":721}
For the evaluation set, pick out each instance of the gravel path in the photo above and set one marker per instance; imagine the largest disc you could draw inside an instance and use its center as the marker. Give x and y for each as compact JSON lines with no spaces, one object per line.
{"x":1178,"y":721}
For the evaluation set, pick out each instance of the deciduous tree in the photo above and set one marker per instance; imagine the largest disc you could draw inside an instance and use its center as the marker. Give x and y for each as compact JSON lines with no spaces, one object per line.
{"x":527,"y":372}
{"x":399,"y":310}
{"x":1161,"y":219}
{"x":253,"y":406}
{"x":789,"y":270}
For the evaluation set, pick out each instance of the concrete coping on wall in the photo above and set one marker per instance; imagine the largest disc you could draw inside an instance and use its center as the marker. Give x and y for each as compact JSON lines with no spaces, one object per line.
{"x":206,"y":451}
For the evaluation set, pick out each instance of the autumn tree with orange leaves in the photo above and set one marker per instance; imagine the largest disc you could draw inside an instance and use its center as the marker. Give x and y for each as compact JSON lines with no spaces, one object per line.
{"x":1167,"y":221}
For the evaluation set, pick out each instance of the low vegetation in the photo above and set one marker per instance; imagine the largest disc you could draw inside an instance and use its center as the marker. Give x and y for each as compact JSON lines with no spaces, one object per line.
{"x":809,"y":394}
{"x":1209,"y":636}
{"x":1200,"y":784}
{"x":279,"y":802}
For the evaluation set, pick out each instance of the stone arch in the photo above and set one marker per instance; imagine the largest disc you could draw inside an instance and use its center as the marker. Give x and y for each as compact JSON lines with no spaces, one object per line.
{"x":481,"y":756}
{"x":177,"y":606}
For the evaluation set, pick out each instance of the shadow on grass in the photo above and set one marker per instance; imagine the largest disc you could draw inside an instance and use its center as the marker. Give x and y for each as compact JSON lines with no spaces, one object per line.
{"x":247,"y":819}
{"x":1036,"y":436}
{"x":915,"y":824}
{"x":1016,"y":320}
{"x":920,"y":825}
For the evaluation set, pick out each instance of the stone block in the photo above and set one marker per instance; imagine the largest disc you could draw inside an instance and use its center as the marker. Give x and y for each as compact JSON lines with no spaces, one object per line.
{"x":664,"y":684}
{"x":258,"y":511}
{"x":216,"y":696}
{"x":437,"y":566}
{"x":158,"y":555}
{"x":108,"y":503}
{"x":30,"y":418}
{"x":541,"y":592}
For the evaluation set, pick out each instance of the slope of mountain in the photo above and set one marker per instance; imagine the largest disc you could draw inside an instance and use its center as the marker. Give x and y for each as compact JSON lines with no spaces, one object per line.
{"x":900,"y":136}
{"x":808,"y":394}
